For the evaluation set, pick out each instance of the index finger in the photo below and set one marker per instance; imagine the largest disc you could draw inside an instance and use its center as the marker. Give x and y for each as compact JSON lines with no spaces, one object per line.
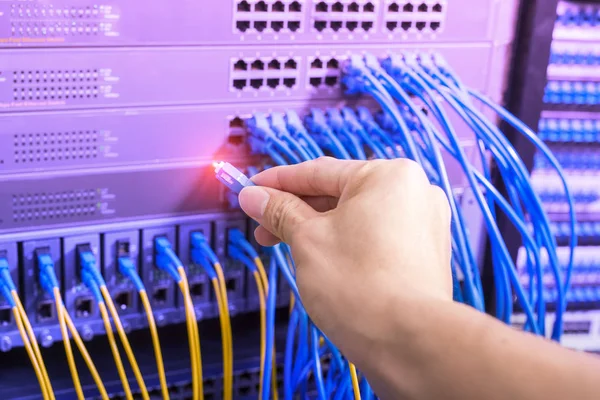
{"x":325,"y":176}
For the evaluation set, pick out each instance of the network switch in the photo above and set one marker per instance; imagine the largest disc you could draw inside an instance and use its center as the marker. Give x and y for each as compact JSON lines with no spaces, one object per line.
{"x":61,"y":79}
{"x":112,"y":23}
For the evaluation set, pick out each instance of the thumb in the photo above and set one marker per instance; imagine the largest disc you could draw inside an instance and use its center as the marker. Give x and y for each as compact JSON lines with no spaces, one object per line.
{"x":278,"y":212}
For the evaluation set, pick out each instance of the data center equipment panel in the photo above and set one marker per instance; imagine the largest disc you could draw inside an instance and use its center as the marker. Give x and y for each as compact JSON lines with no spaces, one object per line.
{"x":111,"y":117}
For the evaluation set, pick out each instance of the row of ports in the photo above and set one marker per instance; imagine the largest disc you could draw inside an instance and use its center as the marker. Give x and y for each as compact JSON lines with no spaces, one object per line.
{"x":260,"y":65}
{"x":409,"y":8}
{"x":258,"y":83}
{"x":328,"y":81}
{"x":336,"y":26}
{"x":339,"y":7}
{"x":408,"y":25}
{"x":262,"y":6}
{"x":261,"y":26}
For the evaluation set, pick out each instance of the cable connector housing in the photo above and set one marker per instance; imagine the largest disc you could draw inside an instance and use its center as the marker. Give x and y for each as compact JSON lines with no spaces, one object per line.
{"x":231,"y":177}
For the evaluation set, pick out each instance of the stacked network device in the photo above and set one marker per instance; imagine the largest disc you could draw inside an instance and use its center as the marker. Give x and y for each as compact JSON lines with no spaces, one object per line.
{"x":111,"y":116}
{"x":571,"y":127}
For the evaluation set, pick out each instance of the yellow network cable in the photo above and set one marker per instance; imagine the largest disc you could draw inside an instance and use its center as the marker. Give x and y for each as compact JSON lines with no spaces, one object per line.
{"x":193,"y":337}
{"x":155,"y":344}
{"x":265,"y":284}
{"x":85,"y":355}
{"x":34,"y":344}
{"x":263,"y":329}
{"x":115,"y":351}
{"x":67,"y":344}
{"x":226,"y":331}
{"x":31,"y":354}
{"x":125,"y":342}
{"x":355,"y":386}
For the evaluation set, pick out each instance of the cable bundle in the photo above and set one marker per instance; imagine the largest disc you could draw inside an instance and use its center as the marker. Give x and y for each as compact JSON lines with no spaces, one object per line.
{"x":416,"y":92}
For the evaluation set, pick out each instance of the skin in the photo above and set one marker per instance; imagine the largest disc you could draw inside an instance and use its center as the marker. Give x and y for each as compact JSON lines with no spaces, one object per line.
{"x":371,"y":241}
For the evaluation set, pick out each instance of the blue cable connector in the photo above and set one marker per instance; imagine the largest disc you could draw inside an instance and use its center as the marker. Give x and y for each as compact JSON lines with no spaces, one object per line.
{"x":165,"y":258}
{"x":231,"y":177}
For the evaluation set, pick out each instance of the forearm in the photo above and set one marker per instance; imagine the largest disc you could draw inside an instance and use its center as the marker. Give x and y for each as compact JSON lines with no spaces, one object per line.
{"x":448,"y":351}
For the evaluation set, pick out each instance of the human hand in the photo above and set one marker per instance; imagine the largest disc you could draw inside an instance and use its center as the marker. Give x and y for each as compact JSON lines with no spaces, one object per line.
{"x":367,"y":237}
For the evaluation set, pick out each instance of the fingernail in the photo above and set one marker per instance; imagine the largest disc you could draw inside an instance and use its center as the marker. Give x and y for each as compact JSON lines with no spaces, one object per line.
{"x":253,"y":200}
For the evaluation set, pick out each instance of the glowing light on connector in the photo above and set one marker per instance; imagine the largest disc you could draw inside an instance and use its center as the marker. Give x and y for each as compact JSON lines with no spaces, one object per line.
{"x":231,"y":177}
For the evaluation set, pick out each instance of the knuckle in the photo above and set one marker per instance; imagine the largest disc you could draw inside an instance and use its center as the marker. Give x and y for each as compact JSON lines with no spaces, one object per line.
{"x":282,"y":215}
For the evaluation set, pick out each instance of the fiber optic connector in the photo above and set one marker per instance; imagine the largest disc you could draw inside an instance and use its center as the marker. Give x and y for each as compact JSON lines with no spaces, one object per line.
{"x":47,"y":274}
{"x":165,"y":258}
{"x":231,"y":177}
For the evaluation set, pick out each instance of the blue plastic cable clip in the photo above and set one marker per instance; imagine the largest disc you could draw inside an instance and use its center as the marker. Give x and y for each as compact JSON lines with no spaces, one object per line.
{"x":5,"y":274}
{"x":165,"y":258}
{"x":278,"y":124}
{"x":294,"y":124}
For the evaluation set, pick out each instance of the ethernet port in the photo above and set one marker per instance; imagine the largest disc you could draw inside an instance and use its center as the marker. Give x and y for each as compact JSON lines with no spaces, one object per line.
{"x":274,"y":64}
{"x":336,"y":25}
{"x":369,"y":7}
{"x":236,"y":123}
{"x":351,"y":25}
{"x":320,"y":25}
{"x":291,"y":64}
{"x":273,"y":83}
{"x":316,"y":64}
{"x":295,"y":6}
{"x":423,"y":8}
{"x":315,"y":81}
{"x":391,"y":25}
{"x":256,"y":83}
{"x":293,"y":25}
{"x":123,"y":300}
{"x":245,"y":390}
{"x":197,"y":289}
{"x":45,"y":311}
{"x":331,"y":81}
{"x":406,"y":25}
{"x":240,"y":65}
{"x":353,"y":7}
{"x":366,"y":25}
{"x":231,"y":284}
{"x":258,"y":65}
{"x":421,"y":25}
{"x":408,"y":8}
{"x":239,"y":84}
{"x":242,"y":26}
{"x":277,"y":25}
{"x":289,"y":82}
{"x":5,"y":316}
{"x":322,"y":7}
{"x":160,"y":296}
{"x":278,"y":6}
{"x":337,"y":7}
{"x":243,"y":6}
{"x":394,"y":7}
{"x":333,"y":64}
{"x":434,"y":26}
{"x":260,"y":25}
{"x":83,"y":307}
{"x":437,"y":8}
{"x":261,"y":6}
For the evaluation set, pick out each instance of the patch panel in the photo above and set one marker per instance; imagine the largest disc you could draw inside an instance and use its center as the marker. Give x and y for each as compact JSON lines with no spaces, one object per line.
{"x":280,"y":73}
{"x":421,"y":17}
{"x":268,"y":17}
{"x":569,"y":130}
{"x":582,"y":158}
{"x":572,"y":92}
{"x":588,"y":232}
